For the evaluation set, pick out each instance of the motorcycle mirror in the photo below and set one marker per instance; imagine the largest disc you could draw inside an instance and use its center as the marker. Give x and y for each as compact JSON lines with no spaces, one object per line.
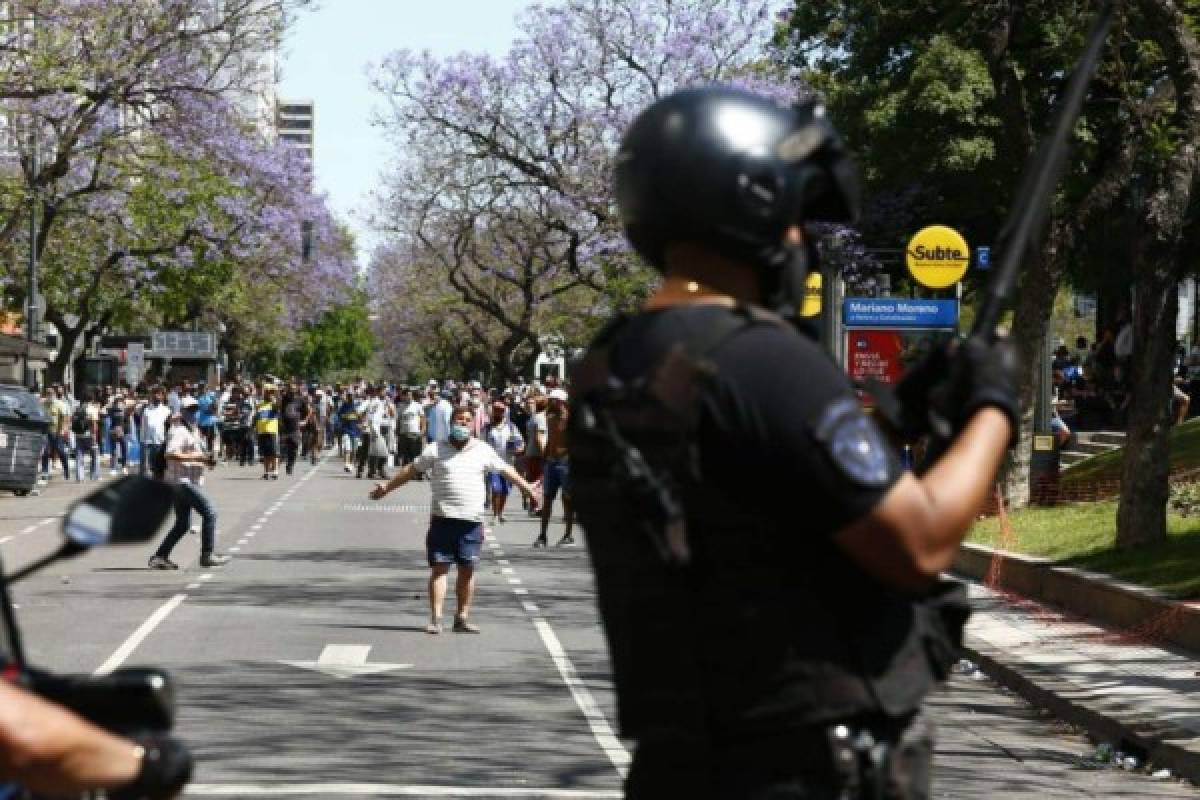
{"x":126,"y":511}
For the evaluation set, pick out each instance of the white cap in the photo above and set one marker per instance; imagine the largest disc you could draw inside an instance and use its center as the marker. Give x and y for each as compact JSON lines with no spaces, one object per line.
{"x":188,"y":402}
{"x":558,"y":394}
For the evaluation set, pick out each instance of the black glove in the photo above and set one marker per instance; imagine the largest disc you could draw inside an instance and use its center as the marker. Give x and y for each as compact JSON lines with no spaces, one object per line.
{"x":983,"y":375}
{"x":166,"y":769}
{"x":915,"y":392}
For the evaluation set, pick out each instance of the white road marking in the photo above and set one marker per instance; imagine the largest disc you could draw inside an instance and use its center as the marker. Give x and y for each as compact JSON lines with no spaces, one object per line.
{"x":531,"y":607}
{"x":206,"y":576}
{"x":393,"y":790}
{"x":520,"y":590}
{"x":345,"y":661}
{"x":514,"y":581}
{"x":502,"y":562}
{"x":6,"y":539}
{"x":506,"y":570}
{"x":235,"y":549}
{"x":603,"y":732}
{"x":193,"y":586}
{"x":145,"y":629}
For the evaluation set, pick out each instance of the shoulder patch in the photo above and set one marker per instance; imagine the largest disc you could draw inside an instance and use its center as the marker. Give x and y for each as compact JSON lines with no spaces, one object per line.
{"x":854,"y":444}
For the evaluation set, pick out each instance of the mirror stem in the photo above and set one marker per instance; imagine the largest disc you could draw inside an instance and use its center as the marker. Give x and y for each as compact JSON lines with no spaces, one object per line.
{"x":10,"y":622}
{"x":68,"y":550}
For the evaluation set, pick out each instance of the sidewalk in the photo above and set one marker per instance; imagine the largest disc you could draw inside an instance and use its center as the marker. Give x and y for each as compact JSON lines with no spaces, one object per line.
{"x":1141,"y":699}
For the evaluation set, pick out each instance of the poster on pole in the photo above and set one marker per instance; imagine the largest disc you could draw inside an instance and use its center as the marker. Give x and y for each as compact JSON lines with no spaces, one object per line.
{"x":135,"y":363}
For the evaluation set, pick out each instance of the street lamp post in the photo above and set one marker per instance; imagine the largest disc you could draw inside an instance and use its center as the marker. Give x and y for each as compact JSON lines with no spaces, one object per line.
{"x":31,"y":298}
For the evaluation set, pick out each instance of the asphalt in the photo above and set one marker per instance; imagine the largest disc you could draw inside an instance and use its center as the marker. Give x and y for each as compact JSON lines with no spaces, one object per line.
{"x":524,"y":709}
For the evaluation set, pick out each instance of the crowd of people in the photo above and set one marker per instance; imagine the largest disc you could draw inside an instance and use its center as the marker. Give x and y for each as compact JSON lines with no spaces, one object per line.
{"x":179,"y":431}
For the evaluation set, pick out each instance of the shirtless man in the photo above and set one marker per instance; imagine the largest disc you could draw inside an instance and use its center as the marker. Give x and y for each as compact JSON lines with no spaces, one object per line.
{"x":555,"y":472}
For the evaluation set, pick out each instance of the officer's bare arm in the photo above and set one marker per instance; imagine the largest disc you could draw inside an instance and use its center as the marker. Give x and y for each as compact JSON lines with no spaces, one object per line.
{"x":399,"y":479}
{"x":913,"y":535}
{"x":48,"y":749}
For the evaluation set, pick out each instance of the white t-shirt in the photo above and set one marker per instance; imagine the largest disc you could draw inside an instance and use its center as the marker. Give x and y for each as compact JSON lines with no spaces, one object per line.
{"x":154,"y":421}
{"x":183,"y":442}
{"x":410,"y":417}
{"x":499,"y":436}
{"x":456,"y":477}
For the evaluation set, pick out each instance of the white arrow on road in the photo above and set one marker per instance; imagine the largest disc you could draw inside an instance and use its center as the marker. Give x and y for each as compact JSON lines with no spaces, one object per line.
{"x":345,"y":661}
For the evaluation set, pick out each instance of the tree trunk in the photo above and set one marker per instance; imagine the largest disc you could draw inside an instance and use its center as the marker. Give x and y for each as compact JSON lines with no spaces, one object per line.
{"x":1142,"y":514}
{"x":68,"y":337}
{"x":1035,"y":303}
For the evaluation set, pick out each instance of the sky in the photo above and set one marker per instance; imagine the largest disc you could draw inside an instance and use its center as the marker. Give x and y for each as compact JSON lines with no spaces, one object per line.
{"x":325,"y":59}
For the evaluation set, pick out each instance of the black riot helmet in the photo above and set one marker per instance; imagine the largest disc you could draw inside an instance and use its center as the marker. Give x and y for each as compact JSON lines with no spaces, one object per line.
{"x":732,"y":170}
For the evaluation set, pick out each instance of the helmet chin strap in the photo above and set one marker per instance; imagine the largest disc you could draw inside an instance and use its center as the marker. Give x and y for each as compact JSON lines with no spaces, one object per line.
{"x":782,"y":273}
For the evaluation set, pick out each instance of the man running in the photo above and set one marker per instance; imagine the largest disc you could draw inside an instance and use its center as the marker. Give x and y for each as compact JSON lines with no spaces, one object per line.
{"x":456,"y":468}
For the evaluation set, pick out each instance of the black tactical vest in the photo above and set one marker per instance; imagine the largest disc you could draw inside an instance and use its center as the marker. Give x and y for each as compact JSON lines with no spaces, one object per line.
{"x":735,"y":625}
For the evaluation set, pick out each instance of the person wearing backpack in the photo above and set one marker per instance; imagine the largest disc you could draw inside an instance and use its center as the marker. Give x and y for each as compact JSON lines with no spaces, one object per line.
{"x":84,"y":423}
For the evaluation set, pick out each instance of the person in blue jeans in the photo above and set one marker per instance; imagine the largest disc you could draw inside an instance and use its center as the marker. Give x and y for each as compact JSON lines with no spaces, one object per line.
{"x":187,"y":462}
{"x":556,"y":473}
{"x":56,"y":434}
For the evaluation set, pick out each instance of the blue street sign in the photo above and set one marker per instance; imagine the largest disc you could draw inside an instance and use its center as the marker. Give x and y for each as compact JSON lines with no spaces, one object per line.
{"x":899,"y":312}
{"x":983,"y":258}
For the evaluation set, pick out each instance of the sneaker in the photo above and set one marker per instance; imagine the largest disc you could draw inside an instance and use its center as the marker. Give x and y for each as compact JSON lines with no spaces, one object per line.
{"x":433,"y":628}
{"x":266,"y":476}
{"x":566,"y":541}
{"x":540,"y":541}
{"x":500,"y":518}
{"x":42,"y":481}
{"x":274,"y":476}
{"x":159,"y":562}
{"x":462,"y":626}
{"x":345,"y":468}
{"x":213,"y":560}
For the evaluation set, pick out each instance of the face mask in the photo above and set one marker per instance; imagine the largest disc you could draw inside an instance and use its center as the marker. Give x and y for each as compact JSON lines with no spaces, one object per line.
{"x":459,"y":433}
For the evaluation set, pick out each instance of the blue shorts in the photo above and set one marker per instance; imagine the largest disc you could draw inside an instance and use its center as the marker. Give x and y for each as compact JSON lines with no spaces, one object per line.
{"x":499,"y":484}
{"x":454,"y":541}
{"x":554,"y":477}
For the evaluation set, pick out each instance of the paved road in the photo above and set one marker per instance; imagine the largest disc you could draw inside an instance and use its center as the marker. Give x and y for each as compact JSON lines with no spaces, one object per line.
{"x":324,"y":578}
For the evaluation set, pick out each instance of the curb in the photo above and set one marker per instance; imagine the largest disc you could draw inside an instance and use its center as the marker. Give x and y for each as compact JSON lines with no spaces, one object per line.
{"x":1162,"y":744}
{"x":1149,"y":614}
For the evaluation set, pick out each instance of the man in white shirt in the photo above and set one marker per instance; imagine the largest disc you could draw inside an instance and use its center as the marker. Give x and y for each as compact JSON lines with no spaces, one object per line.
{"x":154,"y":429}
{"x":456,"y":470}
{"x":187,"y":461}
{"x":506,"y":440}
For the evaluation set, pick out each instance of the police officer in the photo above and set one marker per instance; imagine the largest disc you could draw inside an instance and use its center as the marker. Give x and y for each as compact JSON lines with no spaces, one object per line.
{"x":767,"y":574}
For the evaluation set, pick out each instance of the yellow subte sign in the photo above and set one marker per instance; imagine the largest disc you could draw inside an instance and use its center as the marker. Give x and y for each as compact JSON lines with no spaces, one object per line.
{"x":937,"y":257}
